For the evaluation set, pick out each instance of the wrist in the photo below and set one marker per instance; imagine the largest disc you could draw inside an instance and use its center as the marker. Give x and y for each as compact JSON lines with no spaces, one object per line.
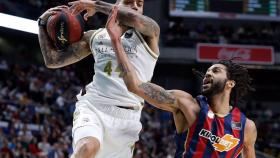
{"x":96,"y":5}
{"x":116,"y":39}
{"x":102,"y":7}
{"x":97,"y":2}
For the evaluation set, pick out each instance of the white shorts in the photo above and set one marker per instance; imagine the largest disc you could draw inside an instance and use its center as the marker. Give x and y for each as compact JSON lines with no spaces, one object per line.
{"x":117,"y":129}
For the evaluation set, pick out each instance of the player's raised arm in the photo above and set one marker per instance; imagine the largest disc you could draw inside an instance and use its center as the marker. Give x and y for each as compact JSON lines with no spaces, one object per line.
{"x":129,"y":14}
{"x":53,"y":57}
{"x":152,"y":93}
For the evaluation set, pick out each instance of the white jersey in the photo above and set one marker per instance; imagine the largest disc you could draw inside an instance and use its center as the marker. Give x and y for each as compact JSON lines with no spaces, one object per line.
{"x":107,"y":86}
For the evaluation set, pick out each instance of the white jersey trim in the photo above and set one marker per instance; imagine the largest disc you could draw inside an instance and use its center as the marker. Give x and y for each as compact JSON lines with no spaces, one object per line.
{"x":149,"y":50}
{"x":92,"y":37}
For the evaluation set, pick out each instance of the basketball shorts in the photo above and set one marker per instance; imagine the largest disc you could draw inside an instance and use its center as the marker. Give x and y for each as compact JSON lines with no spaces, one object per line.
{"x":117,"y":129}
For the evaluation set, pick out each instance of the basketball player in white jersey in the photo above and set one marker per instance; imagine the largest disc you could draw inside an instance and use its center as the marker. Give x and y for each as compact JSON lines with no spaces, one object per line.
{"x":107,"y":117}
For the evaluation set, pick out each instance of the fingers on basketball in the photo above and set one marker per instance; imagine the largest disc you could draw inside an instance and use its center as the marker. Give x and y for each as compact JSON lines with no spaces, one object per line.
{"x":75,"y":7}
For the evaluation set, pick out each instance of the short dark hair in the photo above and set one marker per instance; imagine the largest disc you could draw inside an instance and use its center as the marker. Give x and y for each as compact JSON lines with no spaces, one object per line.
{"x":242,"y":79}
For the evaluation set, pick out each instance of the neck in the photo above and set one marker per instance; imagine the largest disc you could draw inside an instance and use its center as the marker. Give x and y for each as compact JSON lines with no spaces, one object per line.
{"x":219,"y":103}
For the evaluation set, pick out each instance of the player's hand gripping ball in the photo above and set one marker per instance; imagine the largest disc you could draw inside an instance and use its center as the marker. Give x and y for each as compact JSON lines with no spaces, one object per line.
{"x":65,"y":28}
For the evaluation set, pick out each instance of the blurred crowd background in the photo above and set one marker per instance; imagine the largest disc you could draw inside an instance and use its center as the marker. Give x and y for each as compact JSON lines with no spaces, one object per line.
{"x":37,"y":103}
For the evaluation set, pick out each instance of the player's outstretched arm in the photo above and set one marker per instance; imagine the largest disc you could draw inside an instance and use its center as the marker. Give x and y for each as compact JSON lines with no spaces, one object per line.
{"x":126,"y":16}
{"x":250,"y":137}
{"x":152,"y":93}
{"x":183,"y":106}
{"x":55,"y":58}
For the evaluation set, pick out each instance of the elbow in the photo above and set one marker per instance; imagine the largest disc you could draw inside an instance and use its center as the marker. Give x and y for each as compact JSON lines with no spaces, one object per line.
{"x":53,"y":64}
{"x":156,"y":30}
{"x":49,"y":59}
{"x":132,"y":88}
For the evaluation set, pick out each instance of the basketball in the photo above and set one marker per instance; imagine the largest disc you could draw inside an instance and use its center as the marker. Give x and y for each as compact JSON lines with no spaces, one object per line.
{"x":64,"y":28}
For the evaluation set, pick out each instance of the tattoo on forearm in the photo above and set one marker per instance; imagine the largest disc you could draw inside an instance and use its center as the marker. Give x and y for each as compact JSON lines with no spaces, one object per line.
{"x":145,"y":24}
{"x":57,"y":57}
{"x":103,"y":7}
{"x":46,"y":48}
{"x":131,"y":18}
{"x":153,"y":27}
{"x":158,"y":94}
{"x":74,"y":50}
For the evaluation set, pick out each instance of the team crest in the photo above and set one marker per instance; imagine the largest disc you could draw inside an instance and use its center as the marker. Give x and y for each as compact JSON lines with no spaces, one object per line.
{"x":236,"y":125}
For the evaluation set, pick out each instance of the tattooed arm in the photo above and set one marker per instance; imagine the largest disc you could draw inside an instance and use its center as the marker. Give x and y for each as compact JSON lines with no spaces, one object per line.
{"x":55,"y":58}
{"x":152,"y":93}
{"x":126,"y":16}
{"x":183,"y":106}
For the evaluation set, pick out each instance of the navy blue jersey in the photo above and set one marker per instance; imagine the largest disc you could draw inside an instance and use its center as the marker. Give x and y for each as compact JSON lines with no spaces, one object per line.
{"x":180,"y":139}
{"x":211,"y":136}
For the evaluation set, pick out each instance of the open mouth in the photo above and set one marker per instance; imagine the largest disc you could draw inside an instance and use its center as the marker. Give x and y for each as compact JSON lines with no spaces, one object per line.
{"x":207,"y":81}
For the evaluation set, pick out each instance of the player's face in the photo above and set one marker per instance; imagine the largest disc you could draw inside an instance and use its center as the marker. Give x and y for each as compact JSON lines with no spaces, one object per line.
{"x":215,"y":80}
{"x":136,"y":5}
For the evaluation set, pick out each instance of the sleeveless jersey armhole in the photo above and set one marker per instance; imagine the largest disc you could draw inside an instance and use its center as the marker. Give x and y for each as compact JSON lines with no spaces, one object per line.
{"x":148,"y":49}
{"x":202,"y":102}
{"x":91,"y":39}
{"x":180,"y":139}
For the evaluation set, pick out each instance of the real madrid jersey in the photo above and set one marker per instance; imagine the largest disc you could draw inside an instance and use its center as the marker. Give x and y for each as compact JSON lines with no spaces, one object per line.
{"x":107,"y":86}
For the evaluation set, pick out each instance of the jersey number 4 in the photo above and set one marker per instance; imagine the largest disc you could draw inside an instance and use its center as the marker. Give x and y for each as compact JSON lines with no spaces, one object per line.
{"x":108,"y":69}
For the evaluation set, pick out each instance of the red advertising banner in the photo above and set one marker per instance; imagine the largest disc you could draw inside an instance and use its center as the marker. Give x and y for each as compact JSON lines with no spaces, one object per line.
{"x":247,"y":54}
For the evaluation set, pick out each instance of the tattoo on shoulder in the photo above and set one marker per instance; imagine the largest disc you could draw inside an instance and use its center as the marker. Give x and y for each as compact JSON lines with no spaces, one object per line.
{"x":157,"y":93}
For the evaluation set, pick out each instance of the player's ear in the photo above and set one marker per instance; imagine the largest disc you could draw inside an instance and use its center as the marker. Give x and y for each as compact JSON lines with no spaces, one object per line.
{"x":231,"y":83}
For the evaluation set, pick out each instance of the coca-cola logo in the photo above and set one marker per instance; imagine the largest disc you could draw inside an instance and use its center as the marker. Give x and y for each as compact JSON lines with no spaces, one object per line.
{"x":239,"y":53}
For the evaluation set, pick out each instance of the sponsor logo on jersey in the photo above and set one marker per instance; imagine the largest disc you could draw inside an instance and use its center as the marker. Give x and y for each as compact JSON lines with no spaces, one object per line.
{"x":101,"y":36}
{"x":225,"y":143}
{"x":103,"y":48}
{"x":103,"y":44}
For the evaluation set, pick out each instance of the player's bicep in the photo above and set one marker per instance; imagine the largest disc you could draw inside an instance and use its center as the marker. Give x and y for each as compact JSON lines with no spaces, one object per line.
{"x":157,"y":96}
{"x":250,"y":139}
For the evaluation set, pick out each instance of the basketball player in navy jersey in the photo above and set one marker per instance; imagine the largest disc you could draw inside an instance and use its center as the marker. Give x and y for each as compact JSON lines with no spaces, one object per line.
{"x":106,"y":121}
{"x":215,"y":128}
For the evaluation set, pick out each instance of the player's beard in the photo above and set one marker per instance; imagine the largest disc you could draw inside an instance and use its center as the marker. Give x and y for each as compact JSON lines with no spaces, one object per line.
{"x":216,"y":88}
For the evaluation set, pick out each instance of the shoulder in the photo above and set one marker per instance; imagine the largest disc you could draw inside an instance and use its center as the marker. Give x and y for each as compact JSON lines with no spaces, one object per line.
{"x":250,"y":126}
{"x":151,"y":42}
{"x":89,"y":35}
{"x":250,"y":132}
